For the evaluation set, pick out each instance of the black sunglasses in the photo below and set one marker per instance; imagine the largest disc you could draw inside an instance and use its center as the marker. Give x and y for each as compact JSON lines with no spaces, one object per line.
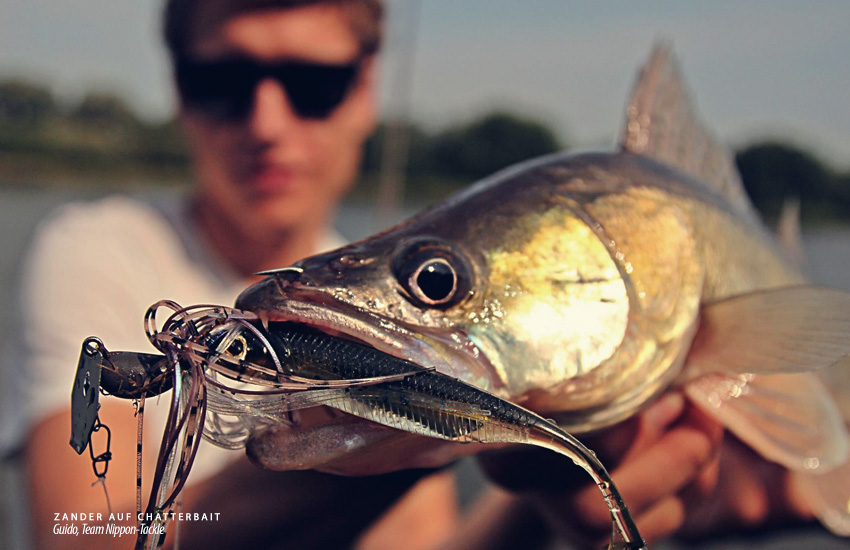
{"x":225,"y":89}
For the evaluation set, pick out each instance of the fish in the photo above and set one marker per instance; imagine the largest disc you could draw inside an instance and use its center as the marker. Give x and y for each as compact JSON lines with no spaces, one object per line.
{"x":583,"y":286}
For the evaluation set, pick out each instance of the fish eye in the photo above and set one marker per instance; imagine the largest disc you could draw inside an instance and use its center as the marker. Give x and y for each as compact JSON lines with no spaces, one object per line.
{"x":432,"y":273}
{"x":435,"y":280}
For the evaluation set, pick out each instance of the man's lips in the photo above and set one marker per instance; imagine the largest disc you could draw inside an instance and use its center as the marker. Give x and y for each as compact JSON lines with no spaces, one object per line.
{"x":274,"y":179}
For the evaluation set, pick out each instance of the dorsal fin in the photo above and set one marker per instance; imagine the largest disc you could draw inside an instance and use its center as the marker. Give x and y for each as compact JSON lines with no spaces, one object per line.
{"x":661,"y":123}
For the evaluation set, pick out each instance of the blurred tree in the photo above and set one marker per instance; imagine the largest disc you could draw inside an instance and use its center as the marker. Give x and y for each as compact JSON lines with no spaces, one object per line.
{"x":419,"y":142}
{"x":774,"y":172}
{"x":25,"y":105}
{"x":101,"y":110}
{"x":101,"y":136}
{"x":161,"y":143}
{"x":488,"y":144}
{"x":98,"y":139}
{"x":840,"y":189}
{"x":442,"y":162}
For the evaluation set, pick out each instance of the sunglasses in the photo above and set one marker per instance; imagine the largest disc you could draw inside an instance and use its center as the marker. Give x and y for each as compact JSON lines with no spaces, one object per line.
{"x":225,"y":89}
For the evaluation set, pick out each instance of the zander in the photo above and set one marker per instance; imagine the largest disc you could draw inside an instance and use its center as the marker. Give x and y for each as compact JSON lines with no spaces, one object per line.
{"x":582,"y":287}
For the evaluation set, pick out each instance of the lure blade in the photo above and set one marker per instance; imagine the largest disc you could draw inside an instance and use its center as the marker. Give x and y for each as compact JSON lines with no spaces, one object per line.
{"x":84,"y":396}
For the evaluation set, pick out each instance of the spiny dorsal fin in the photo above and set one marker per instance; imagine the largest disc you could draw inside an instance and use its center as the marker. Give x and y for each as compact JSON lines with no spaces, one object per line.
{"x":661,"y":123}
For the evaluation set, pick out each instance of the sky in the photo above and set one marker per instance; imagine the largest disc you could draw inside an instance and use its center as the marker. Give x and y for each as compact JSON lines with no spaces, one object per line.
{"x":764,"y":68}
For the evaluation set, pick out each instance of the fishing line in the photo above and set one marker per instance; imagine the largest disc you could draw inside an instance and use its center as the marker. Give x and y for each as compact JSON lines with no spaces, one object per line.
{"x":140,"y":413}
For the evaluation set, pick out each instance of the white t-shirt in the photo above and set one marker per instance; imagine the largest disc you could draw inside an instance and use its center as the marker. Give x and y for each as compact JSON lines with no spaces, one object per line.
{"x":94,"y":269}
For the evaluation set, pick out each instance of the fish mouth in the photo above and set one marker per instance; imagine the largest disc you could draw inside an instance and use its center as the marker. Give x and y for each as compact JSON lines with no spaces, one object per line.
{"x":450,"y":352}
{"x":332,"y":441}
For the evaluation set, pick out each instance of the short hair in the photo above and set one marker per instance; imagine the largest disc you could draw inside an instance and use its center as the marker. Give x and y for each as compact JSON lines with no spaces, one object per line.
{"x":364,"y":16}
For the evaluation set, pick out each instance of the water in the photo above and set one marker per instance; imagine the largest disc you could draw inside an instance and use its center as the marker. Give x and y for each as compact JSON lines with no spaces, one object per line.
{"x":827,"y":250}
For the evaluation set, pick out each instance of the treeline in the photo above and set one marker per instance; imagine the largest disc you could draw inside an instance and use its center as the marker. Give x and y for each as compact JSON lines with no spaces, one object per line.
{"x":443,"y":161}
{"x":100,"y":140}
{"x":775,"y":173}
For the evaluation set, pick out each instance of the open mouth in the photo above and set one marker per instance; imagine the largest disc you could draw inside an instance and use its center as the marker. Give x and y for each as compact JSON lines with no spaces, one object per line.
{"x":445,"y":349}
{"x":348,"y":389}
{"x":322,"y":339}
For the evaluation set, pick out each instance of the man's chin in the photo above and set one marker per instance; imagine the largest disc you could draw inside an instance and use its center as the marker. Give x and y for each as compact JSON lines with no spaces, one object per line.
{"x":350,"y":446}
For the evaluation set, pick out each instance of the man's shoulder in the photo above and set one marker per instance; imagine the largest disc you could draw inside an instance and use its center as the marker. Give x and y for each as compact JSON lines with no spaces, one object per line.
{"x":109,"y":216}
{"x":111,"y":225}
{"x":111,"y":235}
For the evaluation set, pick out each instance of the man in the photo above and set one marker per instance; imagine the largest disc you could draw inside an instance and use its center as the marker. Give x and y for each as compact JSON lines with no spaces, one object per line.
{"x":276,"y":99}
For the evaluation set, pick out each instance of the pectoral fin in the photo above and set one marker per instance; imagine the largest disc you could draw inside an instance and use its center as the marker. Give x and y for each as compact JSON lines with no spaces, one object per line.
{"x":748,"y":368}
{"x":786,"y":330}
{"x":827,"y":496}
{"x":750,"y":365}
{"x":788,"y":418}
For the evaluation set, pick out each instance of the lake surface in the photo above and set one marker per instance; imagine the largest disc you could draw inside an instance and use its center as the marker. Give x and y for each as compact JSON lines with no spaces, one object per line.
{"x":827,"y":250}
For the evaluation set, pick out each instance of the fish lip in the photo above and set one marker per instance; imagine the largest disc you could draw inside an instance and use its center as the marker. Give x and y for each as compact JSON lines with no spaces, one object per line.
{"x":452,"y":353}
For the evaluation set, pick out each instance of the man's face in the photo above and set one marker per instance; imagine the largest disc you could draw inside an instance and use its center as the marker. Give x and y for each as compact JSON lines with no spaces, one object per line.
{"x":270,"y":169}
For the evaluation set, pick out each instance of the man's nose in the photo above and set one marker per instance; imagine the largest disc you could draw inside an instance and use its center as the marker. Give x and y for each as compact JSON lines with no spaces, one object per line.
{"x":272,"y":113}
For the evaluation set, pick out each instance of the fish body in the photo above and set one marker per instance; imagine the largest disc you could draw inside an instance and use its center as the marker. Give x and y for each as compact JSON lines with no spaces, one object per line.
{"x":579,"y":281}
{"x":582,"y":286}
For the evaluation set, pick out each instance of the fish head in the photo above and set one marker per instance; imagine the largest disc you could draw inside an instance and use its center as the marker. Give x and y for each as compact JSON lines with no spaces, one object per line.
{"x":403,"y":295}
